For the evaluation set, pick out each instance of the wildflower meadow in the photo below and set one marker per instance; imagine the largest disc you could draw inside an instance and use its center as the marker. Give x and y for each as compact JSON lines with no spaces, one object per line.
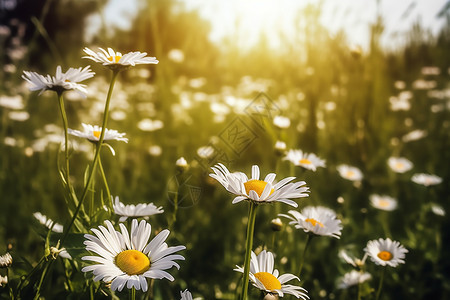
{"x":150,"y":161}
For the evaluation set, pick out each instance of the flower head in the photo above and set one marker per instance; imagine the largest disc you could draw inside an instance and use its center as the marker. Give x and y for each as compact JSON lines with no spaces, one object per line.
{"x":127,"y":259}
{"x":308,"y":161}
{"x":353,"y":278}
{"x":256,"y":190}
{"x":264,"y":277}
{"x":61,"y":81}
{"x":350,"y":173}
{"x":383,"y":202}
{"x":281,"y":122}
{"x":186,"y":295}
{"x":386,"y":252}
{"x":356,"y":262}
{"x":318,"y":220}
{"x":48,"y":222}
{"x":5,"y":260}
{"x":134,"y":211}
{"x":3,"y":280}
{"x":426,"y":179}
{"x":399,"y":164}
{"x":115,"y":60}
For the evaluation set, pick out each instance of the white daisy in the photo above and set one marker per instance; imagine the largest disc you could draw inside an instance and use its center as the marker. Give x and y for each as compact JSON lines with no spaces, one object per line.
{"x":354,"y":261}
{"x":281,"y":122}
{"x":426,"y":179}
{"x":308,"y":161}
{"x":383,"y":202}
{"x":3,"y":280}
{"x":5,"y":260}
{"x":400,"y":164}
{"x":266,"y":278}
{"x":92,"y":133}
{"x":134,"y":211}
{"x":386,"y":252}
{"x":353,"y":278}
{"x":186,"y":295}
{"x":127,"y":259}
{"x":349,"y":172}
{"x":61,"y":81}
{"x":48,"y":222}
{"x":316,"y":219}
{"x":437,"y":209}
{"x":256,"y":190}
{"x":114,"y":59}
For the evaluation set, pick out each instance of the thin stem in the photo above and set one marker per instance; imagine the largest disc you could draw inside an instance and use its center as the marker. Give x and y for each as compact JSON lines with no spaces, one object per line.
{"x":248,"y":248}
{"x":44,"y":274}
{"x":108,"y":193}
{"x":133,"y":293}
{"x":381,"y":283}
{"x":302,"y":259}
{"x":66,"y":138}
{"x":97,"y":154}
{"x":359,"y":290}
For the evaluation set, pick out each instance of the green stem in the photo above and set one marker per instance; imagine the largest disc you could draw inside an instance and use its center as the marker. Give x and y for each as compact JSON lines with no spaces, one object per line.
{"x":44,"y":274}
{"x":381,"y":283}
{"x":302,"y":259}
{"x":108,"y":193}
{"x":133,"y":293}
{"x":22,"y":281}
{"x":97,"y":154}
{"x":66,"y":138}
{"x":248,"y":248}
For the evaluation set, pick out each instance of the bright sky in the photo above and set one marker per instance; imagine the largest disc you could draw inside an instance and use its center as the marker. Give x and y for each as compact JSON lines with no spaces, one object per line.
{"x":250,"y":17}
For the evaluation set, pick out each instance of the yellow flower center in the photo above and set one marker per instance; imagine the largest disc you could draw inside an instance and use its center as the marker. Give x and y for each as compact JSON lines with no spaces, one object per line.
{"x":399,"y":165}
{"x":269,"y":281}
{"x":314,"y":222}
{"x":132,"y":262}
{"x":115,"y":58}
{"x":383,"y":203}
{"x":350,"y":174}
{"x":385,"y":255}
{"x":97,"y":134}
{"x":305,"y":161}
{"x":257,"y":186}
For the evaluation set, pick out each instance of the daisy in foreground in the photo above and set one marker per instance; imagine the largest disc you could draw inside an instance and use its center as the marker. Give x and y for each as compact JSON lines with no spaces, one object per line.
{"x":264,"y":277}
{"x":386,"y":252}
{"x":318,"y":220}
{"x":259,"y":191}
{"x":113,"y":59}
{"x":308,"y":161}
{"x":350,"y":173}
{"x":127,"y":259}
{"x":134,"y":211}
{"x":61,"y":81}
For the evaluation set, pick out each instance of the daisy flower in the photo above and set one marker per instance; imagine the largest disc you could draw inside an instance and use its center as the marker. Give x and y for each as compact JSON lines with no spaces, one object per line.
{"x":386,"y":252}
{"x":134,"y":211}
{"x":256,"y":190}
{"x":186,"y":295}
{"x":115,"y":60}
{"x":264,"y":277}
{"x":3,"y":280}
{"x":318,"y":220}
{"x":5,"y":260}
{"x":55,"y":227}
{"x":383,"y":202}
{"x":426,"y":179}
{"x":399,"y":164}
{"x":353,"y":278}
{"x":61,"y":81}
{"x":308,"y":161}
{"x":437,"y":209}
{"x":356,"y":262}
{"x":127,"y":259}
{"x":281,"y":122}
{"x":350,"y":173}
